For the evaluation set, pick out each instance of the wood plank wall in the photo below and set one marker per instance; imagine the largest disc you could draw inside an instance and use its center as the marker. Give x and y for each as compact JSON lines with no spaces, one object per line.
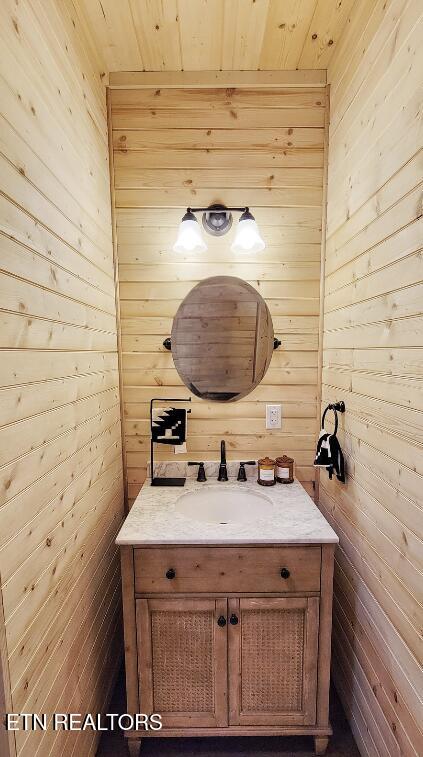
{"x":61,"y":493}
{"x":250,"y":146}
{"x":373,"y":359}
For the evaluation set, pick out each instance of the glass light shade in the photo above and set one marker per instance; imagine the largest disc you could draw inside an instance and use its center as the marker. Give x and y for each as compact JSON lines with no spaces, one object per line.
{"x":189,"y":236}
{"x":247,"y":237}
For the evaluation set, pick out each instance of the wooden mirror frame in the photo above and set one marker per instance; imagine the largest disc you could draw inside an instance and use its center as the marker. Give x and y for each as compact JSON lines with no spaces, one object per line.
{"x":222,"y":339}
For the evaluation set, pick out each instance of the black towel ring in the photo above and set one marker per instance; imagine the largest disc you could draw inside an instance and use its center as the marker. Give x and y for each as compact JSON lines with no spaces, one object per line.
{"x":336,"y":417}
{"x":335,"y":406}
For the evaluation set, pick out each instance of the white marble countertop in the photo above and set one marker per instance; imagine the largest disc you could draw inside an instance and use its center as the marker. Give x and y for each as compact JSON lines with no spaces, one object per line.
{"x":294,"y":518}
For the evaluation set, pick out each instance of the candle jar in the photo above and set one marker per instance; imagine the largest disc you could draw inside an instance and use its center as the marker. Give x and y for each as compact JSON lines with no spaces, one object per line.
{"x":284,"y":469}
{"x":266,"y":472}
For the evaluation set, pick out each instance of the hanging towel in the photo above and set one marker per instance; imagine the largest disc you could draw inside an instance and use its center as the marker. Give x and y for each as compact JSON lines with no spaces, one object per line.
{"x":169,"y":425}
{"x":328,"y":452}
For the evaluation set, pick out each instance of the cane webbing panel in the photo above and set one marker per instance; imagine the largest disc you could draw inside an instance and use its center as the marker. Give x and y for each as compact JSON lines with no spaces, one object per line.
{"x":272,"y":660}
{"x":182,"y":649}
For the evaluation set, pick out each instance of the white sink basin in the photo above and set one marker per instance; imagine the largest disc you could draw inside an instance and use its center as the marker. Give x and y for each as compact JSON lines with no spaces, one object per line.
{"x":223,"y":504}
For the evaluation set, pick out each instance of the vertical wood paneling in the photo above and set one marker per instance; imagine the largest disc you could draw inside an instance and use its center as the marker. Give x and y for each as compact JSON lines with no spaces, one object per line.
{"x":373,"y":358}
{"x":279,"y":173}
{"x":61,"y":494}
{"x":214,"y":35}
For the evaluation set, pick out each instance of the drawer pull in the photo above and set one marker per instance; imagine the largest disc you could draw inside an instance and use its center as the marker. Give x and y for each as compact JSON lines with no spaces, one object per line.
{"x":233,"y":620}
{"x":285,"y":573}
{"x":221,"y":621}
{"x":171,"y":573}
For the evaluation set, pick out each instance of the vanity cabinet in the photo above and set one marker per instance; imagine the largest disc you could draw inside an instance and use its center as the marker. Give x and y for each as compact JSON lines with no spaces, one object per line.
{"x":182,"y":654}
{"x":272,"y":660}
{"x":228,"y":639}
{"x":259,"y":655}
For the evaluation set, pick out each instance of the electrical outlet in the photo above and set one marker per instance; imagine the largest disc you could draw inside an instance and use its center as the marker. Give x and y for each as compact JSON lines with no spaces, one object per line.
{"x":273,"y":416}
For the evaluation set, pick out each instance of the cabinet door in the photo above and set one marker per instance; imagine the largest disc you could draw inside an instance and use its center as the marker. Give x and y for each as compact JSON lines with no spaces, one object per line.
{"x":182,"y":660}
{"x":273,"y":647}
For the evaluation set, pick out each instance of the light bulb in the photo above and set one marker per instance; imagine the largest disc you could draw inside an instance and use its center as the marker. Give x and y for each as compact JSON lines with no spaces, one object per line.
{"x":189,"y":235}
{"x":247,"y":237}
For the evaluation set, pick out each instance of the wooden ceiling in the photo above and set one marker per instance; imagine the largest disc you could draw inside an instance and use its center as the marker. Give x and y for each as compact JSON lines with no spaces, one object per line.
{"x":192,"y":35}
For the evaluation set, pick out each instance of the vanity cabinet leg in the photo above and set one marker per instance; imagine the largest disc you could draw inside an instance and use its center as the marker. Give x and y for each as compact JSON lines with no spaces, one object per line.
{"x":321,"y":744}
{"x":134,"y":747}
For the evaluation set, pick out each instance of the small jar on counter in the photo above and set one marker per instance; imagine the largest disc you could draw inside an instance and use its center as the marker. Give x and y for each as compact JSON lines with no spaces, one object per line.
{"x":285,"y":470}
{"x":266,"y":472}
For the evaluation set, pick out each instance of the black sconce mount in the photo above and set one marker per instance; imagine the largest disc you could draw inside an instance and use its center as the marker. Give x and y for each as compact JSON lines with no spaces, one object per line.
{"x":217,"y":219}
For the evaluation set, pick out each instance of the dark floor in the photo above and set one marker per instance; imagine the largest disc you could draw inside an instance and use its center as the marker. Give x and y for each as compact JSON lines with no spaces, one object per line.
{"x":341,"y":744}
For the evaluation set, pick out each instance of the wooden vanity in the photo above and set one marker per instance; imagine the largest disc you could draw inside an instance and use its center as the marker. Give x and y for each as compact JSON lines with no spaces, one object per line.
{"x":228,"y":626}
{"x":229,"y":640}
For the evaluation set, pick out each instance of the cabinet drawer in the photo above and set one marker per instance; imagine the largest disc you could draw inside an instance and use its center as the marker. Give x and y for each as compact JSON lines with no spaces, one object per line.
{"x":227,"y":569}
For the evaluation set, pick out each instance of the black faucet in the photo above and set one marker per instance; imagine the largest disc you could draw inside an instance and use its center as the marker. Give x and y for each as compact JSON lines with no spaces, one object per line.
{"x":223,"y":472}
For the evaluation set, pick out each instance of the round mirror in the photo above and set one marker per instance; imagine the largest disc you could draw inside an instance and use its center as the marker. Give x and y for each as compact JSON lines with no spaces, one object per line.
{"x":222,"y":339}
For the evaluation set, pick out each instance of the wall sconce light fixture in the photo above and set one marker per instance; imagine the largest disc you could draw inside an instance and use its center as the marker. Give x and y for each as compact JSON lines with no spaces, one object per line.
{"x":189,"y":237}
{"x":217,"y":220}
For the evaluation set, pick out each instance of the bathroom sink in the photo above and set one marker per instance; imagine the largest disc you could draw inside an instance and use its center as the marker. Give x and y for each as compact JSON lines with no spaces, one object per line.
{"x":220,"y":504}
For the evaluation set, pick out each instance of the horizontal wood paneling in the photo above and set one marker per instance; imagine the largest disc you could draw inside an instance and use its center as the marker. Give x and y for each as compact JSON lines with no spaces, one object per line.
{"x":220,"y":118}
{"x":372,"y":360}
{"x":218,"y":99}
{"x":226,"y":80}
{"x":61,"y":493}
{"x":242,"y":157}
{"x":257,"y":139}
{"x":261,"y":146}
{"x":135,"y":178}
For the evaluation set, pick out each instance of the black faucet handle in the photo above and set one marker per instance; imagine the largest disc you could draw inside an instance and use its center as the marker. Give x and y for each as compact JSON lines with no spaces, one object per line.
{"x":242,"y":476}
{"x":201,"y":471}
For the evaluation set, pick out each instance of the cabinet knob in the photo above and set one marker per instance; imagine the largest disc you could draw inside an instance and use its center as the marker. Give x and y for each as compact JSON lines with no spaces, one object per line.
{"x":233,"y":620}
{"x":285,"y":573}
{"x":221,"y":621}
{"x":171,"y":573}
